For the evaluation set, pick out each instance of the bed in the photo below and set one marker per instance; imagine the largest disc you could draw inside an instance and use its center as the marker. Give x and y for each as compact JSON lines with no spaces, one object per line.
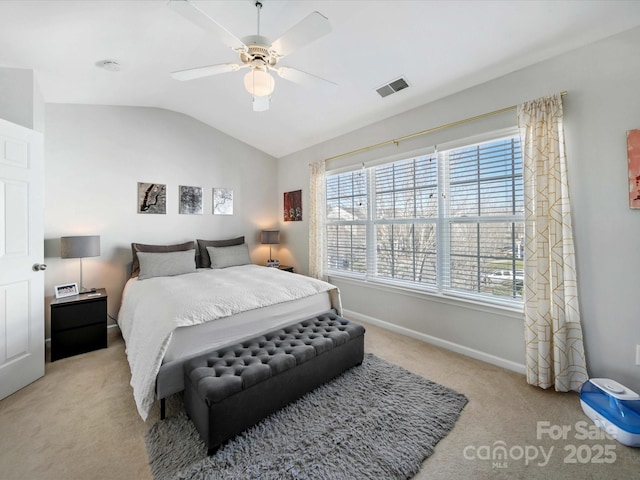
{"x":177,"y":305}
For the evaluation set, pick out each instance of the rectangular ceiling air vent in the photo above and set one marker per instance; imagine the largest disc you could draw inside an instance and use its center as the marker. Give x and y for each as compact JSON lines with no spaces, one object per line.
{"x":392,"y":87}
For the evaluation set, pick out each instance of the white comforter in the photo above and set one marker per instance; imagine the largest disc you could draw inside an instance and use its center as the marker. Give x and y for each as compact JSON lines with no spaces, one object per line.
{"x":152,"y":309}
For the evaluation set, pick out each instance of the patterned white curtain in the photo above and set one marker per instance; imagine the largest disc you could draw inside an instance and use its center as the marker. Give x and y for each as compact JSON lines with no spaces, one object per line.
{"x":553,"y":333}
{"x":317,"y":231}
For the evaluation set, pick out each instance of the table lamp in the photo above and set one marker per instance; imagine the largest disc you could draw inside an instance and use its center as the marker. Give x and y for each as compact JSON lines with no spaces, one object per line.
{"x":271,"y":237}
{"x":80,"y":247}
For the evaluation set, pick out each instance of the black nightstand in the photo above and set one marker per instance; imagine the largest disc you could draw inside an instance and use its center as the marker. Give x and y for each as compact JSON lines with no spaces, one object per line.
{"x":286,"y":268}
{"x":78,"y":324}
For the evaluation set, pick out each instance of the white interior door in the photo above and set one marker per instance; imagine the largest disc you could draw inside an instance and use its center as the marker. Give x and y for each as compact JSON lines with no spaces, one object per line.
{"x":21,"y":247}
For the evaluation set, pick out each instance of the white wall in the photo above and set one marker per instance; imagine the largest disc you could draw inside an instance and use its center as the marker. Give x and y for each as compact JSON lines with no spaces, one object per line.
{"x":96,"y":155}
{"x":20,"y":98}
{"x":602,"y":104}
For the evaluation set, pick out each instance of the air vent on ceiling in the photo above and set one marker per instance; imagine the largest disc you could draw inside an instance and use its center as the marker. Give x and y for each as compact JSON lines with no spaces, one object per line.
{"x":392,"y":87}
{"x":109,"y":65}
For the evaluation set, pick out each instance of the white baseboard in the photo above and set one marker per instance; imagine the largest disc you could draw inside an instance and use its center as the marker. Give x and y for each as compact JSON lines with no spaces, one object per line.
{"x":454,"y":347}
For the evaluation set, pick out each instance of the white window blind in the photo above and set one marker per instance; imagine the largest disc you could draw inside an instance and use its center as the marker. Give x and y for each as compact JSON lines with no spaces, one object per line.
{"x":484,"y":212}
{"x":346,"y":222}
{"x":449,"y":222}
{"x":406,"y":211}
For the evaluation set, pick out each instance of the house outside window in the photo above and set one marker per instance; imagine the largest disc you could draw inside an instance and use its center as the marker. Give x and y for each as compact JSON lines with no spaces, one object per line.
{"x":447,"y":222}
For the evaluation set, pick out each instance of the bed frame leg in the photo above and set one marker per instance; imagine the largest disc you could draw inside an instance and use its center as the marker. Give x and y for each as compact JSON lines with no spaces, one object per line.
{"x":162,"y":409}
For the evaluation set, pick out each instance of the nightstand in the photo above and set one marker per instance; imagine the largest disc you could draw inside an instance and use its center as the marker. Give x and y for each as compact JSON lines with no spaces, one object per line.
{"x":286,"y":268}
{"x":78,"y":324}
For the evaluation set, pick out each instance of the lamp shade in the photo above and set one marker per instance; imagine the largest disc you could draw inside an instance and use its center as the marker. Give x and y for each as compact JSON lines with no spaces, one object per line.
{"x":80,"y":247}
{"x":270,"y":237}
{"x":259,"y":83}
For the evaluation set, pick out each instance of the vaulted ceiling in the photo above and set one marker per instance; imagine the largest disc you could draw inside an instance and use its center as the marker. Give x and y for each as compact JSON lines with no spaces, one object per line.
{"x":440,"y":47}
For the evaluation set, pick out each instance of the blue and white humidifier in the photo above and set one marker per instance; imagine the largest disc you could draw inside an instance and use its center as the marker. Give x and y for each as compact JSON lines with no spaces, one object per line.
{"x":613,"y":408}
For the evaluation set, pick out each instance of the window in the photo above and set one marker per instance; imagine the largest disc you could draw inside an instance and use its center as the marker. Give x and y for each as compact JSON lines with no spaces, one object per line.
{"x":448,"y":222}
{"x":347,"y":222}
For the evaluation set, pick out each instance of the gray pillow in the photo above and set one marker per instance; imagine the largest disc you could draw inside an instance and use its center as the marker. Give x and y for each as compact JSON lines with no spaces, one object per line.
{"x":166,"y":264}
{"x":223,"y":257}
{"x":141,"y":247}
{"x":205,"y":262}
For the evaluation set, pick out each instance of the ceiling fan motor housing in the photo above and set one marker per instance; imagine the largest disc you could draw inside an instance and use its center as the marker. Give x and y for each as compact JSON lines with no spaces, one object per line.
{"x":258,"y":49}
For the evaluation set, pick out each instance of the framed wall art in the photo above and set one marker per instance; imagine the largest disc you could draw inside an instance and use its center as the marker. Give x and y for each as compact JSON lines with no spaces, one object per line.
{"x":190,"y":200}
{"x":633,"y":156}
{"x":293,"y":206}
{"x":223,"y":201}
{"x":152,"y":198}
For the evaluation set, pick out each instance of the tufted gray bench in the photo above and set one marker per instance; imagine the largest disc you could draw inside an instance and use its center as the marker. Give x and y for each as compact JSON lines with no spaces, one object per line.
{"x":231,"y":389}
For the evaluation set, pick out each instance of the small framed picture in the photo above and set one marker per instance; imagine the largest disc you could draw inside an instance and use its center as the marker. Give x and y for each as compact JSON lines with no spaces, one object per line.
{"x":66,"y":290}
{"x":293,"y":206}
{"x":190,"y":200}
{"x":152,"y":198}
{"x":223,"y":201}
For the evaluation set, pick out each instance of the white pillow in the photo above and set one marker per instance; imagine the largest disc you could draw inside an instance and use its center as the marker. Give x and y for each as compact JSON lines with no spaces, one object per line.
{"x":223,"y":257}
{"x":166,"y":264}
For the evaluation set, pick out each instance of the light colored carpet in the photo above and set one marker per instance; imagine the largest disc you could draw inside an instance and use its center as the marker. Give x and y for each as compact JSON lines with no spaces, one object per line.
{"x":80,"y":422}
{"x":376,"y":420}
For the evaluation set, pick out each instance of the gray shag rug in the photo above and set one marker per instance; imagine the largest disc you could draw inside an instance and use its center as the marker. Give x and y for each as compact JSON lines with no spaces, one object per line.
{"x":376,"y":420}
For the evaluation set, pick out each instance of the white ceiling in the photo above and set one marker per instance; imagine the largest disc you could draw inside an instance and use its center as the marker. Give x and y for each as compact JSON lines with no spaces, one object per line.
{"x":440,"y":47}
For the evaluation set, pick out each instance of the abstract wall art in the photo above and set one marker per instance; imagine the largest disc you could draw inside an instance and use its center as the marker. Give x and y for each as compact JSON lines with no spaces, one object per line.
{"x":293,"y":206}
{"x":152,"y":198}
{"x":223,"y":201}
{"x":633,"y":156}
{"x":190,"y":200}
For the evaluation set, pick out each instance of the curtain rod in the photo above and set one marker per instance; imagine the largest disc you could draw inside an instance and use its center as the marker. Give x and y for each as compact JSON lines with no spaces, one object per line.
{"x":396,"y":141}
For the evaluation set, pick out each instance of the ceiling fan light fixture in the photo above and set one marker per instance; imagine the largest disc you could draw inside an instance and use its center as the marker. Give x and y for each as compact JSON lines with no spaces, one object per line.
{"x":259,"y":83}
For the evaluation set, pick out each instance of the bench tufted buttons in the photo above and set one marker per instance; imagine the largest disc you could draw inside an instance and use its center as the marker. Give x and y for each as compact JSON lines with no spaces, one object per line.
{"x":237,"y":367}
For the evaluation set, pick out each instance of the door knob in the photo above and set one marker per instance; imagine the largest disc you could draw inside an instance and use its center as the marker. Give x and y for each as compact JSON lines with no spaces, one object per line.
{"x":39,"y":267}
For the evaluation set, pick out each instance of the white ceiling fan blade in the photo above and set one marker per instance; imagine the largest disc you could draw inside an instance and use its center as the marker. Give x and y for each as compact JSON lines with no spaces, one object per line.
{"x":207,"y":71}
{"x":304,"y":78}
{"x":261,"y":104}
{"x":311,"y":28}
{"x":197,"y":16}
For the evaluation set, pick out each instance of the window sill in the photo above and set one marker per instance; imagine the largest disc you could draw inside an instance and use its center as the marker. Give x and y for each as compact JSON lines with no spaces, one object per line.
{"x":508,"y":310}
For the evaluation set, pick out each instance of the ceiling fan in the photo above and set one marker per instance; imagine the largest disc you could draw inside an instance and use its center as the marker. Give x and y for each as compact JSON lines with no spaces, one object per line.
{"x":257,"y":53}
